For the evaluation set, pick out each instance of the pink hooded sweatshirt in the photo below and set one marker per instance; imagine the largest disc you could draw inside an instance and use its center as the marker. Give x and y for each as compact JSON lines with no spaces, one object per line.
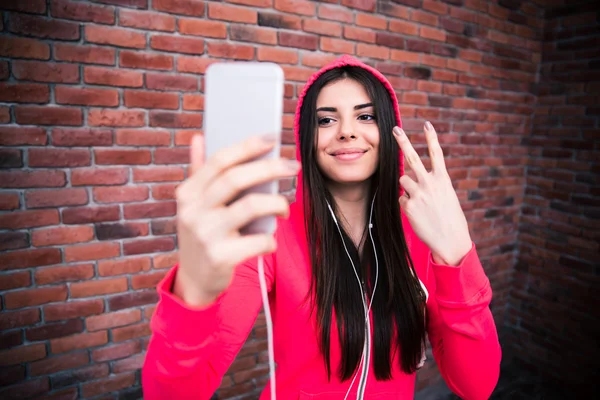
{"x":192,"y":348}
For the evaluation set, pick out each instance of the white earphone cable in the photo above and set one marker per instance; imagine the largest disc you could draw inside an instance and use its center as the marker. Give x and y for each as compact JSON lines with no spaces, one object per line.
{"x":265,"y":300}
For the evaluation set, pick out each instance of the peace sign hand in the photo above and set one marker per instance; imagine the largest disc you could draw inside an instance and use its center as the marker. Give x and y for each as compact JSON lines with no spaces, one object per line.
{"x":430,"y":202}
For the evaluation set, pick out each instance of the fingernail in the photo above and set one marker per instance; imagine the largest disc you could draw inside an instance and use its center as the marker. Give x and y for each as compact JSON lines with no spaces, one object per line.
{"x":397,"y":131}
{"x":428,"y":126}
{"x":269,"y":138}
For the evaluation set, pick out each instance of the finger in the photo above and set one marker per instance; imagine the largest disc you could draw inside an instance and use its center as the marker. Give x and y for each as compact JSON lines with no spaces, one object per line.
{"x":252,"y":207}
{"x":241,"y":177}
{"x":436,"y":153}
{"x":246,"y":247}
{"x":409,"y":185}
{"x":196,"y":153}
{"x":412,"y":157}
{"x":403,"y":200}
{"x":239,"y":153}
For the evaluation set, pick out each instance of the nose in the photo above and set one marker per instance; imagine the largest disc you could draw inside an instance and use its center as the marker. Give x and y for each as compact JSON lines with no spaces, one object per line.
{"x":346,"y":131}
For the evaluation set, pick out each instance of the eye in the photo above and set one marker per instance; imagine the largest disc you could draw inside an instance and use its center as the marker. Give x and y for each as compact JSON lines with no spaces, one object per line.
{"x":325,"y":121}
{"x":366,"y":117}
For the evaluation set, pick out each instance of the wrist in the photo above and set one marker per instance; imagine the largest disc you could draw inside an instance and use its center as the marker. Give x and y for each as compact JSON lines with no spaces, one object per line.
{"x":188,"y":292}
{"x":452,"y":256}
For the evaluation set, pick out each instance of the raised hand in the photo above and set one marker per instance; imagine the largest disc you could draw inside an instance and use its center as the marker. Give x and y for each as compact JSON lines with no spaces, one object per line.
{"x":430,"y":202}
{"x":209,"y":217}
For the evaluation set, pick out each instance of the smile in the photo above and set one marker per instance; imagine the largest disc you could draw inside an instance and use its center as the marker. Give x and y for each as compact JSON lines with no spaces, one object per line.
{"x":349,"y":154}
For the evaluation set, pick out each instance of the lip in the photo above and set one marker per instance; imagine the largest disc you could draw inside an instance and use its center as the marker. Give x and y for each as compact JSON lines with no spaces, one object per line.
{"x":350,"y":150}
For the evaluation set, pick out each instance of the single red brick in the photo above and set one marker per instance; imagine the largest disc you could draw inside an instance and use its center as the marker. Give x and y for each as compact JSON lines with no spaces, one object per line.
{"x":110,"y":77}
{"x":34,"y":297}
{"x":44,"y":276}
{"x":195,"y":65}
{"x":191,"y":102}
{"x":164,"y":191}
{"x":164,"y":227}
{"x":73,"y":309}
{"x":301,"y":7}
{"x":81,"y":137}
{"x":165,"y":260}
{"x":185,"y":7}
{"x":61,"y":235}
{"x":314,"y":60}
{"x":15,"y":136}
{"x":184,"y":137}
{"x":322,"y":27}
{"x":131,"y":332}
{"x":48,"y":115}
{"x":24,"y":93}
{"x":17,"y":319}
{"x":15,"y":47}
{"x":254,"y":3}
{"x":25,"y":179}
{"x":424,"y":18}
{"x":55,"y":330}
{"x":297,"y":40}
{"x":123,"y":266}
{"x":115,"y":36}
{"x":98,"y":287}
{"x":132,"y":299}
{"x":29,"y":258}
{"x":10,"y":339}
{"x":146,"y":281}
{"x":45,"y":71}
{"x":86,"y":96}
{"x":117,"y":351}
{"x":150,"y":210}
{"x":175,"y":120}
{"x":22,"y":354}
{"x":158,"y":174}
{"x":59,"y":363}
{"x":228,"y":50}
{"x":97,"y":176}
{"x":91,"y":252}
{"x":4,"y":72}
{"x":367,"y":50}
{"x":297,"y":73}
{"x":31,"y":6}
{"x":79,"y":341}
{"x":79,"y":11}
{"x":111,"y":320}
{"x":28,"y":219}
{"x":172,"y":156}
{"x":171,"y":82}
{"x":277,"y":55}
{"x":147,"y":99}
{"x":15,"y":280}
{"x":139,"y":60}
{"x":177,"y":44}
{"x":5,"y":115}
{"x":13,"y":240}
{"x":106,"y":117}
{"x":144,"y":246}
{"x":120,"y":194}
{"x":371,"y":21}
{"x":45,"y":157}
{"x":232,"y":13}
{"x":359,"y":34}
{"x":43,"y":27}
{"x":129,"y":364}
{"x":55,"y":198}
{"x":336,"y":45}
{"x":146,"y":20}
{"x":204,"y":28}
{"x":245,"y":33}
{"x":365,"y":5}
{"x":86,"y":215}
{"x":83,"y":54}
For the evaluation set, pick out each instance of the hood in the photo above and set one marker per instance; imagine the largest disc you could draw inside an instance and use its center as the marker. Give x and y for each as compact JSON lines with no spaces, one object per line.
{"x":343,"y":61}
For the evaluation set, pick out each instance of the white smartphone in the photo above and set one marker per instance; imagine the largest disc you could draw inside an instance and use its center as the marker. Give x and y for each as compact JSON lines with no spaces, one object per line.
{"x":244,"y":99}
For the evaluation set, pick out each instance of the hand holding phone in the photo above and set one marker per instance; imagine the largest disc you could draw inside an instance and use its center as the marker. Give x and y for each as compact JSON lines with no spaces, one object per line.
{"x":227,"y":208}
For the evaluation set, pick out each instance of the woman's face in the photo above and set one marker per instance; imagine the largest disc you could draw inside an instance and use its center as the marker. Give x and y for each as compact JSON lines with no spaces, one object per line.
{"x":348,"y":135}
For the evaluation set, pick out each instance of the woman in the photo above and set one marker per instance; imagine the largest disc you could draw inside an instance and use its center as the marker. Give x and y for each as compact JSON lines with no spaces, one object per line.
{"x":348,"y":270}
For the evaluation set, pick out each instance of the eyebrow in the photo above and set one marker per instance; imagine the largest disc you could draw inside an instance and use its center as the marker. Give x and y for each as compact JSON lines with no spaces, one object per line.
{"x":333,"y":109}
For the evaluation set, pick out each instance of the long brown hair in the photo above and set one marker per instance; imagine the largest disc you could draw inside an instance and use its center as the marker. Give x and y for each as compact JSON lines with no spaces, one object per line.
{"x":398,"y":305}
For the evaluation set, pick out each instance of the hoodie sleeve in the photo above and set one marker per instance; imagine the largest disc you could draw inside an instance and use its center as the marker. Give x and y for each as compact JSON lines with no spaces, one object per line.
{"x":461,"y":327}
{"x":191,"y":348}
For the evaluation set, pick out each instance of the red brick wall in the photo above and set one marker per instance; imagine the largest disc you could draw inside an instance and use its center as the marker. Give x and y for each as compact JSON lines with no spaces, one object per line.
{"x":98,"y":102}
{"x":552,"y":315}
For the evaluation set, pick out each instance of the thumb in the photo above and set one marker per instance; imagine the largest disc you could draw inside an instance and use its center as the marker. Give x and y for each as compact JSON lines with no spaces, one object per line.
{"x":196,"y":153}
